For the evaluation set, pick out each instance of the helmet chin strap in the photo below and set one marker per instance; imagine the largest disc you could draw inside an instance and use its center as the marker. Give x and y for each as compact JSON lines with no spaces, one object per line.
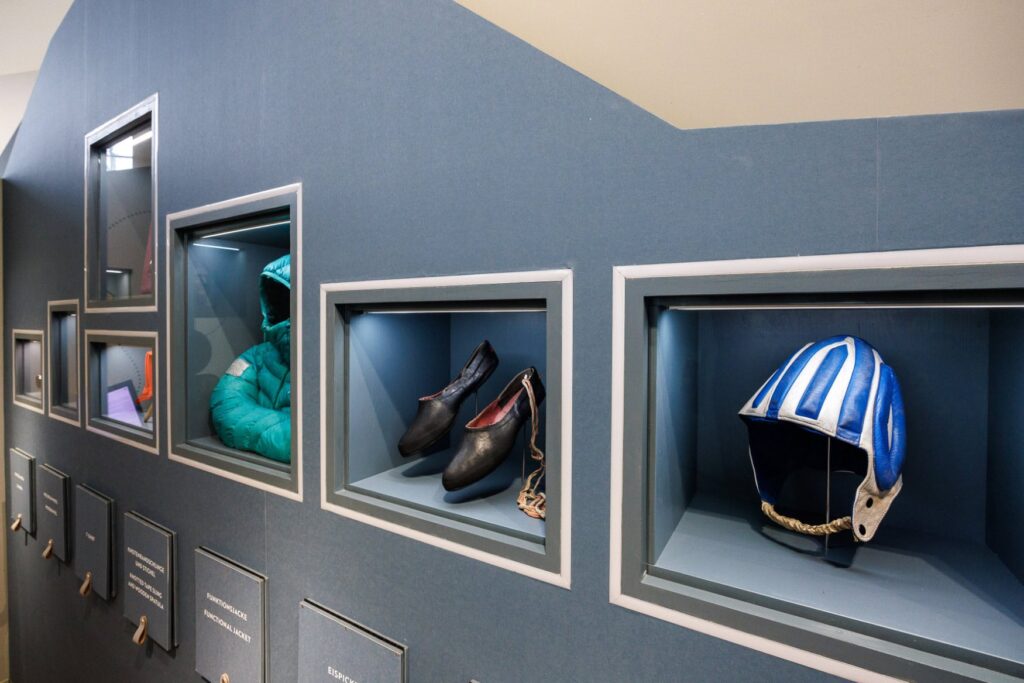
{"x":794,"y":524}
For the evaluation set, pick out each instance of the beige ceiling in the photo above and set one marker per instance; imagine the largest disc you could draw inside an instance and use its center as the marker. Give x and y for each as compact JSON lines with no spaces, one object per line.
{"x":709,"y":63}
{"x":26,"y":27}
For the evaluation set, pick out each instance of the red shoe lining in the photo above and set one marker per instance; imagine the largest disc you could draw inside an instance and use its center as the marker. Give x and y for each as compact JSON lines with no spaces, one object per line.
{"x":494,"y":413}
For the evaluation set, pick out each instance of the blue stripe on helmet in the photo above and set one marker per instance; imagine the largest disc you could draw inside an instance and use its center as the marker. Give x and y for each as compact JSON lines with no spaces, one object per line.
{"x":888,"y":452}
{"x":819,"y":386}
{"x":798,"y":364}
{"x":851,"y":415}
{"x":765,"y":389}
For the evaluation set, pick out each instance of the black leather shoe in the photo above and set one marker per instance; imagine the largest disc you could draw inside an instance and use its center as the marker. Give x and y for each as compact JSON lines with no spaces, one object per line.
{"x":437,"y":412}
{"x":490,"y":435}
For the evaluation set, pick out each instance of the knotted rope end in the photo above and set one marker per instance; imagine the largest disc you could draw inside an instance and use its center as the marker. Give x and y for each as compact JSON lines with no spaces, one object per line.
{"x":531,"y":499}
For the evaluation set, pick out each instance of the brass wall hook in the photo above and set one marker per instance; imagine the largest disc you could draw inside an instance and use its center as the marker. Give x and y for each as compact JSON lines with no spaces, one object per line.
{"x":17,"y":523}
{"x":224,"y":678}
{"x":140,"y":633}
{"x":86,"y":586}
{"x":48,"y":550}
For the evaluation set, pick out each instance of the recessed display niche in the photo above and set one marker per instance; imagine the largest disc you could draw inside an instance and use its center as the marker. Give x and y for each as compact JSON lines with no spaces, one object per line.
{"x":429,"y":421}
{"x":940,"y":585}
{"x":121,"y":386}
{"x":233,"y":289}
{"x":27,"y":369}
{"x":120,"y":193}
{"x":63,"y":361}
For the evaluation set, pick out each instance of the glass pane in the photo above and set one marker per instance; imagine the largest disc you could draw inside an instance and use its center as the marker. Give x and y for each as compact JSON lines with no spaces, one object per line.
{"x":707,"y":522}
{"x":125,"y":216}
{"x":28,"y":370}
{"x":402,"y":360}
{"x":126,"y":381}
{"x":65,"y":370}
{"x":238,"y":311}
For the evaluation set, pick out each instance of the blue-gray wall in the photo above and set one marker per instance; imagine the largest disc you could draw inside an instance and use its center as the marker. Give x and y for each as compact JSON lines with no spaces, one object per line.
{"x":429,"y":142}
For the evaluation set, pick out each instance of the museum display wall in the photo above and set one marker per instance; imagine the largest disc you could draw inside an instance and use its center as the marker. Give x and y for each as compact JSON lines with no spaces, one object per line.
{"x":418,"y":144}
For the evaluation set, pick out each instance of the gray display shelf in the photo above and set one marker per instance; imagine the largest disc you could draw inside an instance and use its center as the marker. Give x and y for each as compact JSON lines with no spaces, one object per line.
{"x":890,"y":582}
{"x":117,"y":403}
{"x":120,"y":220}
{"x":396,"y":341}
{"x":217,"y":253}
{"x":63,"y":362}
{"x":490,"y":503}
{"x":27,"y":385}
{"x":939,"y":591}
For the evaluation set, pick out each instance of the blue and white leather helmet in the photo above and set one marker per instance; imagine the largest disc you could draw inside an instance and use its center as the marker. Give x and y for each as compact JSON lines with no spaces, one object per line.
{"x":841,"y":388}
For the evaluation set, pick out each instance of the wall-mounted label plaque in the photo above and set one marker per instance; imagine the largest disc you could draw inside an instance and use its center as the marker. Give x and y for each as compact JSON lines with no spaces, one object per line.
{"x":23,"y":479}
{"x":149,"y":579}
{"x":94,"y":546}
{"x":52,"y":502}
{"x":230,"y":620}
{"x":333,"y":648}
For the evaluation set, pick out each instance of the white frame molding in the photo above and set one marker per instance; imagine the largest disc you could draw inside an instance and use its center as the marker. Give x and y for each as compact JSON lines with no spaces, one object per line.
{"x":957,"y":256}
{"x":150,"y":106}
{"x":42,"y":368}
{"x":562,"y":578}
{"x":49,"y":359}
{"x":155,"y":448}
{"x":296,"y":277}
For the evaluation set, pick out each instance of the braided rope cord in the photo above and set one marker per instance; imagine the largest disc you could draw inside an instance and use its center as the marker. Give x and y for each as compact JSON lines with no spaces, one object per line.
{"x":531,"y":499}
{"x":793,"y":524}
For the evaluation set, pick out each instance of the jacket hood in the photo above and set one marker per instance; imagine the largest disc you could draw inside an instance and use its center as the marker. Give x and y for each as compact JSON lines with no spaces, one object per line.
{"x":275,"y":300}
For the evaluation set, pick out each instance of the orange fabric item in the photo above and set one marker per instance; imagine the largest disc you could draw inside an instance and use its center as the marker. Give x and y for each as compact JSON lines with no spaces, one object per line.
{"x":147,"y":390}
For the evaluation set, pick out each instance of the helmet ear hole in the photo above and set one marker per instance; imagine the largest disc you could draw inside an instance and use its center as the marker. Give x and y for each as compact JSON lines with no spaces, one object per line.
{"x":868,"y":503}
{"x":861,"y":529}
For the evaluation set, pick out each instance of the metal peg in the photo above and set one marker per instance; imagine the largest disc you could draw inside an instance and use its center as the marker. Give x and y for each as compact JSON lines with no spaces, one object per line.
{"x":86,"y":586}
{"x":17,"y":523}
{"x":224,"y":678}
{"x":48,"y":550}
{"x":140,"y":633}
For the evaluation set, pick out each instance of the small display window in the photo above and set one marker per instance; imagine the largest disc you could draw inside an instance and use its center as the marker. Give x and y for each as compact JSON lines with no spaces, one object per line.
{"x":122,"y":386}
{"x":800,"y":448}
{"x":27,"y":368}
{"x":233,"y":291}
{"x":120,"y":219}
{"x":444,"y":413}
{"x":63,"y":360}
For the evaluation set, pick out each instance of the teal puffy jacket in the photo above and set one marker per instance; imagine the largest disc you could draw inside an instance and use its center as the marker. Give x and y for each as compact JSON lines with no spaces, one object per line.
{"x":251,"y":404}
